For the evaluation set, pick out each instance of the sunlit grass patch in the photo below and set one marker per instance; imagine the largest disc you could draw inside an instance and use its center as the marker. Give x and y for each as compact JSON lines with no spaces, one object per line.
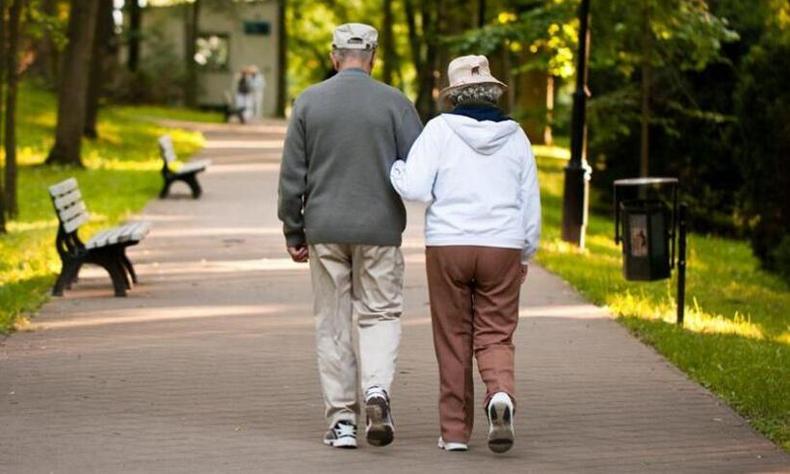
{"x":556,"y":152}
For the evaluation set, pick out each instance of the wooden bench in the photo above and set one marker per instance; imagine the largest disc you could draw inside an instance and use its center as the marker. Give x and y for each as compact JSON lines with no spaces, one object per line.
{"x":106,"y":249}
{"x":187,"y":173}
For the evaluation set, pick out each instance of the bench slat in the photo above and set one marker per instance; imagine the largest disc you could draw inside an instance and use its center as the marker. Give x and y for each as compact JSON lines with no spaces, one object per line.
{"x":73,"y":211}
{"x":142,"y":231}
{"x":133,"y":232}
{"x":68,"y":199}
{"x":193,"y":166}
{"x":63,"y":187}
{"x":75,"y":223}
{"x":166,"y":148}
{"x":99,"y":237}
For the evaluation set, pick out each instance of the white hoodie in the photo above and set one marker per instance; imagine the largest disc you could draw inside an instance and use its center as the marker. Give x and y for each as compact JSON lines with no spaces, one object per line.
{"x":480,"y":180}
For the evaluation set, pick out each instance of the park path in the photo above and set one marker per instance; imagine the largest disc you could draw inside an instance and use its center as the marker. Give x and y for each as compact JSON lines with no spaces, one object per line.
{"x":208,"y":365}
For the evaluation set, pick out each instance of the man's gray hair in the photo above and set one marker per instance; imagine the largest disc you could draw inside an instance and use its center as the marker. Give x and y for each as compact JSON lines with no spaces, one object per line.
{"x":475,"y":94}
{"x":362,"y":55}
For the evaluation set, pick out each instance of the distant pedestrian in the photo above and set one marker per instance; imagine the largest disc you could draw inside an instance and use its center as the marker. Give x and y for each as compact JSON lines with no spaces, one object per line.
{"x":340,"y":212}
{"x":258,"y":86}
{"x":244,"y":97}
{"x":475,"y":168}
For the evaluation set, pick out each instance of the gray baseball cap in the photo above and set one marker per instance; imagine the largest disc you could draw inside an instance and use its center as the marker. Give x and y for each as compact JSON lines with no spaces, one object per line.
{"x":355,"y":36}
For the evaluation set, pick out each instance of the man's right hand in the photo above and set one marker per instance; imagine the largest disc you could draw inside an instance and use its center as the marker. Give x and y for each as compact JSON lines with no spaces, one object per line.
{"x":299,"y":254}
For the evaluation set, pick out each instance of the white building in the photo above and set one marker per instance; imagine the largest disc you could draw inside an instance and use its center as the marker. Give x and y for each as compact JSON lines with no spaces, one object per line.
{"x":232,"y":34}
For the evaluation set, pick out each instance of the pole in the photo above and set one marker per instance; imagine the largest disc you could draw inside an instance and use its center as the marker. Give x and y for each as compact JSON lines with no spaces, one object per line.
{"x":577,"y":173}
{"x":681,"y":262}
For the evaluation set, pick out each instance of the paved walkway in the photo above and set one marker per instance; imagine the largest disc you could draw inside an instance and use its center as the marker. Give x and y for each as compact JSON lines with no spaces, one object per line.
{"x":208,"y":365}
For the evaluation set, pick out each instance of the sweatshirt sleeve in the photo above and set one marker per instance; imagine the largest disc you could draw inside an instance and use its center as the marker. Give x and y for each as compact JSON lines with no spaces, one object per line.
{"x":413,"y":179}
{"x":530,"y":200}
{"x":293,"y":180}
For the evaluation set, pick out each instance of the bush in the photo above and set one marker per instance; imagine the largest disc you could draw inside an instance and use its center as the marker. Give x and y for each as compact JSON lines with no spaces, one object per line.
{"x":160,"y":79}
{"x":763,"y":111}
{"x":781,"y":258}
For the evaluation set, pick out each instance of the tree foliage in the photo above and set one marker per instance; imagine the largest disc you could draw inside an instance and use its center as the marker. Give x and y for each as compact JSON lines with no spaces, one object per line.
{"x":548,"y":30}
{"x":694,"y":84}
{"x":762,"y":105}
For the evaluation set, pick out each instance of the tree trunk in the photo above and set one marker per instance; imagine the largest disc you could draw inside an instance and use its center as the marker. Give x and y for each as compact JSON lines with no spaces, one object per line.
{"x":481,"y":13}
{"x":74,"y":84}
{"x":191,"y":29}
{"x":424,"y":49}
{"x":282,"y":60}
{"x":507,"y":64}
{"x":414,"y":38}
{"x":390,"y":55}
{"x":2,"y":67}
{"x":12,"y":81}
{"x":647,"y":54}
{"x":548,"y":135}
{"x":102,"y":44}
{"x":135,"y":23}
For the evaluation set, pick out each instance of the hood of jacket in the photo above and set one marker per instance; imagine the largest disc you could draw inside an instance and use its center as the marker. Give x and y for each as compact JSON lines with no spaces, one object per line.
{"x":485,"y":137}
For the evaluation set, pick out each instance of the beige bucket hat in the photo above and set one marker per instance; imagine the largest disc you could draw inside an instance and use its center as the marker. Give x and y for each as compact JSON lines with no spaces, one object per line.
{"x":355,"y":36}
{"x":467,"y":70}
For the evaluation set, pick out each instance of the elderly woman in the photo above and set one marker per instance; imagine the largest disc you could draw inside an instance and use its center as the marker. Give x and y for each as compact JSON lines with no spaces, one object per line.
{"x":475,"y":168}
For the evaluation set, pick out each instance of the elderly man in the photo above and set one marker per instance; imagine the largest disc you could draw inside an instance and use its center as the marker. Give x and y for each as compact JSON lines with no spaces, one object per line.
{"x":340,"y":212}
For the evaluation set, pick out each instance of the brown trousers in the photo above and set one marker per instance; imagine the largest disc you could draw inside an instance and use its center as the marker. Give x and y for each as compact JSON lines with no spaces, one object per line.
{"x":474,"y":294}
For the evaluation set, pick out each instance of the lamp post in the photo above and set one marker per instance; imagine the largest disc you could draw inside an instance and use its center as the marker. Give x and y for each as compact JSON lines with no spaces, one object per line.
{"x":577,"y":174}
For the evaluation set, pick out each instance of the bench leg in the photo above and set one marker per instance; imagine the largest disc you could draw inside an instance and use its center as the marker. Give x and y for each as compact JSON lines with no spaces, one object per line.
{"x":110,"y":263}
{"x":75,"y":275}
{"x":127,"y":265}
{"x":120,"y":267}
{"x":193,"y":184}
{"x":165,"y":189}
{"x":120,"y":281}
{"x":64,"y":279}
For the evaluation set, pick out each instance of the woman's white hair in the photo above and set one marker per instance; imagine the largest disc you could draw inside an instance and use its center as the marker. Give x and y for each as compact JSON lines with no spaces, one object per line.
{"x":475,"y":94}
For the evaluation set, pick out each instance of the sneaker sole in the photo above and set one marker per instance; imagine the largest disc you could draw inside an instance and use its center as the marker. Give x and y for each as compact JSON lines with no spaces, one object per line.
{"x":452,"y":447}
{"x":342,"y":443}
{"x":379,"y":432}
{"x":500,"y":434}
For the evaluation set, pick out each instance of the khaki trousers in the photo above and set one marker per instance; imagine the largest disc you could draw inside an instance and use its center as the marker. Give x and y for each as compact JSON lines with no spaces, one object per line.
{"x":474,"y":295}
{"x":366,"y":280}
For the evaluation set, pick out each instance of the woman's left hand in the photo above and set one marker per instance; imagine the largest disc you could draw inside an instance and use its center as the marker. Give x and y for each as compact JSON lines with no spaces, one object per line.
{"x":524,"y":270}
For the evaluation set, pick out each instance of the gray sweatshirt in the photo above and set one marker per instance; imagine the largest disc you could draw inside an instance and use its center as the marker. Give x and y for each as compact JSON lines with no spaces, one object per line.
{"x":345,"y":133}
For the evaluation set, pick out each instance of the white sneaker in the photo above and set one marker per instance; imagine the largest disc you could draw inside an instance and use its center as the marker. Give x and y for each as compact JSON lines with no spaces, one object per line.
{"x":342,"y":435}
{"x":452,"y":446}
{"x":380,"y":430}
{"x":500,"y":423}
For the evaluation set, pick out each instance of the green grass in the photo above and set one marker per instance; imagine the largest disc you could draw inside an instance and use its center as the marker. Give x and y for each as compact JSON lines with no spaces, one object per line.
{"x":736,"y":340}
{"x":121,"y":175}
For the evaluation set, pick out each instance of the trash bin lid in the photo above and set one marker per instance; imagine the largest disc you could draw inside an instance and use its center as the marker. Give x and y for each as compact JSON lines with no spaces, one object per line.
{"x":644,"y":181}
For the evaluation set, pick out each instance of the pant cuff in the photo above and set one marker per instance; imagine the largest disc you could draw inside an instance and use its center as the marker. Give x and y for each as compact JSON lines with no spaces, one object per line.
{"x":352,"y":417}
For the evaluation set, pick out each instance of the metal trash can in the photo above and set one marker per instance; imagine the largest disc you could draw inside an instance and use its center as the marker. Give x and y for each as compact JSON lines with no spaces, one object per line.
{"x":646,"y":233}
{"x":648,"y":220}
{"x":645,"y":222}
